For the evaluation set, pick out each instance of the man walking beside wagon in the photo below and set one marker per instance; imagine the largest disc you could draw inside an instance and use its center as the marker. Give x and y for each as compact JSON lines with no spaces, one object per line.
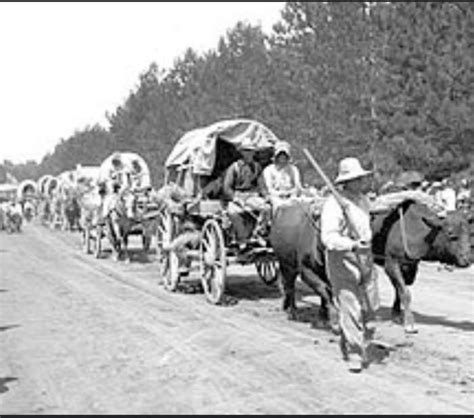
{"x":349,"y":261}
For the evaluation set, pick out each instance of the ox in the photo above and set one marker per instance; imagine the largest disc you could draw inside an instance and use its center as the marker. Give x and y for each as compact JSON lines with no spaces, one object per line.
{"x":126,"y":218}
{"x":72,"y":213}
{"x":295,"y":238}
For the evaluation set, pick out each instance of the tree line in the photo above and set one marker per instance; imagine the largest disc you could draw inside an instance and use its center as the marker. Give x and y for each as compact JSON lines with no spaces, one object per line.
{"x":389,"y":82}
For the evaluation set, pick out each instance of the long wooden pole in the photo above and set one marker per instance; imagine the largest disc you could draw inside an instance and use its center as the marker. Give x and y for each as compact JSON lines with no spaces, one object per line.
{"x":345,"y":208}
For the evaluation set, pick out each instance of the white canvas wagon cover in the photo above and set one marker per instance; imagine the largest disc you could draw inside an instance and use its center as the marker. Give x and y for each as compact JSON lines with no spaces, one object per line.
{"x":127,"y":159}
{"x":42,"y":181}
{"x":197,"y":148}
{"x":24,"y":187}
{"x":66,"y":180}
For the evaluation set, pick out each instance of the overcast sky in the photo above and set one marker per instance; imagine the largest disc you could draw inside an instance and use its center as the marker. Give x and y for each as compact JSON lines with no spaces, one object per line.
{"x":64,"y":65}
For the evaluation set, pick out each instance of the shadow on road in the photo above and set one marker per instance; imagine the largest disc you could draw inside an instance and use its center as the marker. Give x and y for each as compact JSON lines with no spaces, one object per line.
{"x":4,"y":381}
{"x":251,"y":288}
{"x":385,"y":314}
{"x":440,"y":320}
{"x":377,"y":354}
{"x":136,"y":256}
{"x":3,"y":290}
{"x":6,"y":328}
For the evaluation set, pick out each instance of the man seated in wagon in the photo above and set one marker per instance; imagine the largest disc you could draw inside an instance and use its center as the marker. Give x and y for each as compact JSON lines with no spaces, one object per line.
{"x":118,"y":174}
{"x":139,"y":176}
{"x":117,"y":180}
{"x":243,"y":190}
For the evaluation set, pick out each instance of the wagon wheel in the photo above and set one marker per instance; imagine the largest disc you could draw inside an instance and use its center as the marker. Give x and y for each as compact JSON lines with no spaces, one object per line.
{"x":213,"y":261}
{"x":86,"y":239}
{"x":168,"y":260}
{"x":98,"y":242}
{"x":267,"y":269}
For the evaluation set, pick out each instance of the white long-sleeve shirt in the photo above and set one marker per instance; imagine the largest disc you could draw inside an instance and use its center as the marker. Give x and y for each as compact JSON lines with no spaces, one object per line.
{"x":282,"y":180}
{"x":334,"y":231}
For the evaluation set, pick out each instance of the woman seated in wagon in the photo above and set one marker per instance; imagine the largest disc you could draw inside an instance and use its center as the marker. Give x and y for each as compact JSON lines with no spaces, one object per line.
{"x":282,"y":179}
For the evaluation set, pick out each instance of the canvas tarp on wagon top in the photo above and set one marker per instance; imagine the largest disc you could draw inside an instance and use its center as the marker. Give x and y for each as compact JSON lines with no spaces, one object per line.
{"x":27,"y":188}
{"x":41,"y":183}
{"x":127,"y":160}
{"x":66,"y":181}
{"x":197,"y":148}
{"x":50,"y":186}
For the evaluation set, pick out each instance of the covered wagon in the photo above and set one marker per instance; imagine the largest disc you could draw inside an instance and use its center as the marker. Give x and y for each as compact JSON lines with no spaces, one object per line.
{"x":194,"y":172}
{"x":128,"y":210}
{"x":28,"y":198}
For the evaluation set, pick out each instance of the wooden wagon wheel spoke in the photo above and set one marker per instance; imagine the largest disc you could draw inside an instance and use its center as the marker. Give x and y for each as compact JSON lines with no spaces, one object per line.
{"x":206,"y":244}
{"x":267,"y":269}
{"x":213,"y":261}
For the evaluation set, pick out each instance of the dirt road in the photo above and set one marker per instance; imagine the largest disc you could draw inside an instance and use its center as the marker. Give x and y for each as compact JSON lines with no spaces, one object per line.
{"x":86,"y":336}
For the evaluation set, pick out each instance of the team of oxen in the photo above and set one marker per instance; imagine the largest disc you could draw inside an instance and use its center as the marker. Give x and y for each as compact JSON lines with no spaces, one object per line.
{"x":405,"y":234}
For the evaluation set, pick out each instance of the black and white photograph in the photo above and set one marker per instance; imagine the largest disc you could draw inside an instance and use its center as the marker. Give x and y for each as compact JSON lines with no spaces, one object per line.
{"x":237,"y":208}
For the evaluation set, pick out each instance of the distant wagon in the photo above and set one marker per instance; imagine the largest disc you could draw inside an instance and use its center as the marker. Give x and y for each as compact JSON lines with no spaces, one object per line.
{"x":41,"y":184}
{"x":135,"y":212}
{"x":27,"y":196}
{"x":27,"y":189}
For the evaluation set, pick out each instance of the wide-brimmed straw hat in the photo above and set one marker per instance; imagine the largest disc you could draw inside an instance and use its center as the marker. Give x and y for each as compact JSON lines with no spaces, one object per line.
{"x":247,"y":145}
{"x":350,"y":169}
